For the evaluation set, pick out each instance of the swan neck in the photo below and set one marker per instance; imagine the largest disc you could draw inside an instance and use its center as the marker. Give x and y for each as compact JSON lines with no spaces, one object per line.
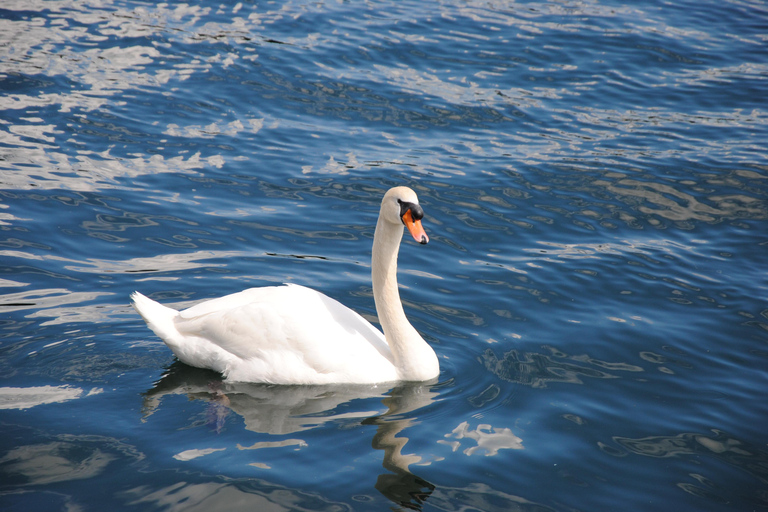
{"x":414,"y":358}
{"x":386,"y":246}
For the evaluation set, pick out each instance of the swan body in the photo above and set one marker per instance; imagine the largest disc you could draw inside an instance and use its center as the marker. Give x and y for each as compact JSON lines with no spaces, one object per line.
{"x":292,"y":334}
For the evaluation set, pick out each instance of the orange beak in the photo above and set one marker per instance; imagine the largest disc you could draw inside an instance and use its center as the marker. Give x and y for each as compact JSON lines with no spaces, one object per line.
{"x":415,"y":227}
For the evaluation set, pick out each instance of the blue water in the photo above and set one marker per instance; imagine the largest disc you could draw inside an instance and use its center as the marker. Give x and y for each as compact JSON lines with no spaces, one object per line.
{"x":595,"y":186}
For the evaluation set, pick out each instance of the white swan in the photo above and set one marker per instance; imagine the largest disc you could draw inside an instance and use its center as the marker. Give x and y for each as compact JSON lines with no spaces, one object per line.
{"x":295,"y":335}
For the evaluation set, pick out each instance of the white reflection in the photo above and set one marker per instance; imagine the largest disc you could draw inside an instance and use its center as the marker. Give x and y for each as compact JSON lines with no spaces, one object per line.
{"x":40,"y":167}
{"x":477,"y":496}
{"x":274,"y":444}
{"x":489,"y":440}
{"x":25,"y":398}
{"x":193,"y":454}
{"x":160,"y":263}
{"x":670,"y":203}
{"x":212,"y":130}
{"x":91,"y":314}
{"x":230,"y":496}
{"x":54,"y":462}
{"x":61,"y":305}
{"x":7,"y":283}
{"x":46,"y":298}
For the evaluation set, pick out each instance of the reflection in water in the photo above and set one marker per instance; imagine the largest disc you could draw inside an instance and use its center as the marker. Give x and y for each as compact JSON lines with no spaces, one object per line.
{"x":281,"y":410}
{"x":45,"y":298}
{"x":400,"y":485}
{"x":482,"y":497}
{"x":41,"y":464}
{"x":267,"y":409}
{"x":489,"y":439}
{"x":169,"y":262}
{"x":235,"y":496}
{"x":43,"y":155}
{"x":721,"y":446}
{"x":24,"y":398}
{"x":677,"y":205}
{"x":193,"y":454}
{"x":66,"y":458}
{"x":536,"y":370}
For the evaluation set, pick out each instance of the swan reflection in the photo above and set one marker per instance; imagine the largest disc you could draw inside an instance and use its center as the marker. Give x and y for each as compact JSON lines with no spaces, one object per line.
{"x":285,"y":410}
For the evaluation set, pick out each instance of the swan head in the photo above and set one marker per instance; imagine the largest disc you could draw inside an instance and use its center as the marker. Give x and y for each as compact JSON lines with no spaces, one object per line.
{"x":401,"y":206}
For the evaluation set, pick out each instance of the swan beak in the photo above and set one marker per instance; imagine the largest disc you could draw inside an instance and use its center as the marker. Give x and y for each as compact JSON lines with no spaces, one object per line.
{"x":415,"y":227}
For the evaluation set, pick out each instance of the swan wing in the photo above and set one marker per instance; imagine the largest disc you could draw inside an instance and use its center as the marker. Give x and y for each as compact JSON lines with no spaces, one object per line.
{"x":283,"y":334}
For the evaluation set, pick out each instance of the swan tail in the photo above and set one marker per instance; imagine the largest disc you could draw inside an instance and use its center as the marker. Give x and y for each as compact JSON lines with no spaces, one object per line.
{"x":159,"y":318}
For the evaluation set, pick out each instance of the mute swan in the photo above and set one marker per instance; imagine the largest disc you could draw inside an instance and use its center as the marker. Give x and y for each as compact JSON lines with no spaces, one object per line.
{"x":291,"y":334}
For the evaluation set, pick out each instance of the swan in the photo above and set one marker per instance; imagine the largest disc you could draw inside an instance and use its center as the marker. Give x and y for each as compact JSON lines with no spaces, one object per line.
{"x":291,"y":334}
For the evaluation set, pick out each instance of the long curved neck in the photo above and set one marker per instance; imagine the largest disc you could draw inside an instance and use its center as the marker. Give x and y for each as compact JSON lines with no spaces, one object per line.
{"x":414,"y":358}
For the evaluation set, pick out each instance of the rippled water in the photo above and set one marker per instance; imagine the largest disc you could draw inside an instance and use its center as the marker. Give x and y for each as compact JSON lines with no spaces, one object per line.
{"x":594,"y":181}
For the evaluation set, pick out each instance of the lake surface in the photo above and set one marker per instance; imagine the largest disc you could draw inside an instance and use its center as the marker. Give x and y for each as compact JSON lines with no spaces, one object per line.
{"x":595,"y":184}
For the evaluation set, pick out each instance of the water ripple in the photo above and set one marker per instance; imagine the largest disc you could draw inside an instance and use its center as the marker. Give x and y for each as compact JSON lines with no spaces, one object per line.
{"x":594,"y":181}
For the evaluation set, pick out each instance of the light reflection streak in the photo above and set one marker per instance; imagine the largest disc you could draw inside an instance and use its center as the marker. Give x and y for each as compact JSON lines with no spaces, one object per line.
{"x":489,"y":440}
{"x":45,"y":298}
{"x":160,"y":263}
{"x":26,"y":398}
{"x":254,"y":495}
{"x":88,"y":171}
{"x":37,"y":470}
{"x":105,"y":72}
{"x":102,"y":74}
{"x":54,"y":462}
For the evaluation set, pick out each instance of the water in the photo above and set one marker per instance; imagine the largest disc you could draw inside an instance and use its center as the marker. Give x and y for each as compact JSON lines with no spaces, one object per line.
{"x":594,"y":181}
